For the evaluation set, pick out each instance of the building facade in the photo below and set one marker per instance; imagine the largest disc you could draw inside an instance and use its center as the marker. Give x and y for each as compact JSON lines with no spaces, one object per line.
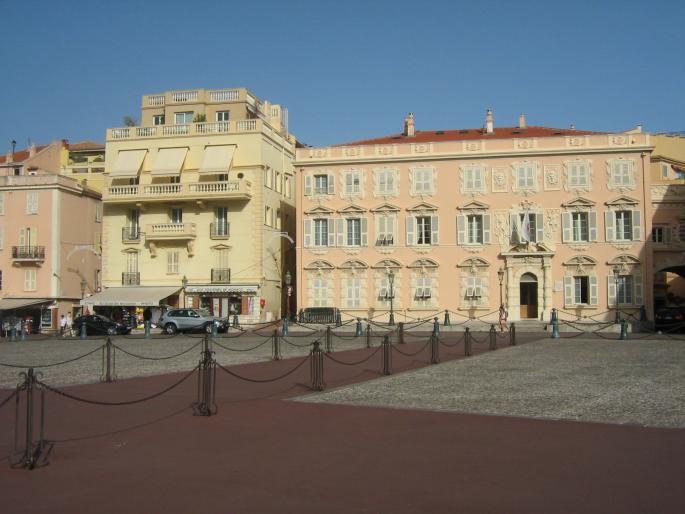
{"x":429,"y":220}
{"x":199,"y":199}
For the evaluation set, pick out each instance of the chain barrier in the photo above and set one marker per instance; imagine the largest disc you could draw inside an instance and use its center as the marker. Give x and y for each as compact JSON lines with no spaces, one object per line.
{"x":206,"y":382}
{"x":34,"y":453}
{"x":316,"y":368}
{"x":259,"y":345}
{"x":8,"y":399}
{"x":356,"y":363}
{"x":143,"y":357}
{"x":54,"y":363}
{"x":412,"y":354}
{"x":108,"y":362}
{"x":285,"y":340}
{"x":266,"y":380}
{"x":387,"y":356}
{"x":450,"y":345}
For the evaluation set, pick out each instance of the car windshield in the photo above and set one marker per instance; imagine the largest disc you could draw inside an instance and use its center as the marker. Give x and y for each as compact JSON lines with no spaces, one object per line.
{"x":104,"y":318}
{"x":204,"y":313}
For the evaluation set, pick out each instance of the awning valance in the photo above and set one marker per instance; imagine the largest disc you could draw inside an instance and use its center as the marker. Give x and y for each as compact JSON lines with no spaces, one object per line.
{"x":131,"y":296}
{"x":217,"y":159}
{"x":217,"y":288}
{"x":127,"y":163}
{"x":9,"y":304}
{"x":169,"y":162}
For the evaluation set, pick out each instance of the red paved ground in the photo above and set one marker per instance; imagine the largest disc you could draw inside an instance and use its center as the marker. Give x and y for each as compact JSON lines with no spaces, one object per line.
{"x":264,"y":454}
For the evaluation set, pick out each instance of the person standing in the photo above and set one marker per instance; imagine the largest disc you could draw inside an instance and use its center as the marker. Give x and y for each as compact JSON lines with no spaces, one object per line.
{"x":69,"y":323}
{"x":503,"y":314}
{"x":62,"y":325}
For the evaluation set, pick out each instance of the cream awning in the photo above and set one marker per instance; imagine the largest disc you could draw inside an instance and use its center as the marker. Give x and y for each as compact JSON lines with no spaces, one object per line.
{"x":131,"y":296}
{"x":128,"y":163}
{"x":8,"y":304}
{"x":237,"y":288}
{"x":169,"y":162}
{"x":217,"y":159}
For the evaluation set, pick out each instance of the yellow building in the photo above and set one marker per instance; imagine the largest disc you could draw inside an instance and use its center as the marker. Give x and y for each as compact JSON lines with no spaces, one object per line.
{"x":84,"y":162}
{"x":198,"y":202}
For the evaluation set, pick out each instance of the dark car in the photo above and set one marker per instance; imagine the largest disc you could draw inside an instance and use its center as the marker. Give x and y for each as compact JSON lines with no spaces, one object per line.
{"x":190,"y":320}
{"x":97,"y":324}
{"x":670,"y":318}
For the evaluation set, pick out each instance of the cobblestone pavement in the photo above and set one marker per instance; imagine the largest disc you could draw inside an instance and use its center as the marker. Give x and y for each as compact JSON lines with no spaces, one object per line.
{"x":624,"y":382}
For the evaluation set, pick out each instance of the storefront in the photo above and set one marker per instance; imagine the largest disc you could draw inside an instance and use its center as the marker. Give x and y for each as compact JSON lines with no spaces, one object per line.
{"x":127,"y":304}
{"x":36,"y":313}
{"x":225,"y":300}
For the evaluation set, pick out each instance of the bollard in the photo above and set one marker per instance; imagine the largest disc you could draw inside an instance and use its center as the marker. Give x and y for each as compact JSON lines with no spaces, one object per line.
{"x":555,"y":325}
{"x":147,"y":324}
{"x":447,"y":318}
{"x":23,"y":330}
{"x":206,"y":382}
{"x":32,"y":451}
{"x":235,"y":321}
{"x":316,"y":368}
{"x":276,"y":346}
{"x":467,"y":342}
{"x":624,"y":330}
{"x":401,"y":332}
{"x":368,"y":334}
{"x":493,"y":337}
{"x":108,"y":362}
{"x":358,"y":329}
{"x":84,"y":330}
{"x":512,"y":335}
{"x":338,"y":319}
{"x":436,"y":326}
{"x":13,"y":333}
{"x":215,"y":328}
{"x":387,"y":356}
{"x":435,"y":356}
{"x":284,"y":330}
{"x":329,"y":340}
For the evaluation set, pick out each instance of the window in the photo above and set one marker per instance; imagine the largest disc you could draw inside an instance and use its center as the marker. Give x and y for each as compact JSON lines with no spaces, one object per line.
{"x":624,"y":293}
{"x":220,"y":221}
{"x":423,"y":230}
{"x":354,"y":292}
{"x":526,"y":227}
{"x":474,"y":229}
{"x":664,"y":170}
{"x":423,"y":180}
{"x":30,"y":280}
{"x":385,"y":230}
{"x":286,"y":187}
{"x":423,"y":289}
{"x":2,"y":204}
{"x":175,"y":215}
{"x":320,"y":292}
{"x":353,"y":181}
{"x":385,"y":182}
{"x":354,"y":236}
{"x":474,"y":288}
{"x":132,"y":262}
{"x":279,"y":184}
{"x":624,"y":226}
{"x":578,"y":175}
{"x":661,"y":234}
{"x":622,"y":173}
{"x":473,"y":178}
{"x":223,"y":115}
{"x":158,"y":119}
{"x":581,"y":290}
{"x":32,"y":203}
{"x":183,"y":118}
{"x":525,"y":176}
{"x":321,"y":232}
{"x":172,"y":258}
{"x":98,"y":213}
{"x":320,"y":184}
{"x":579,"y":226}
{"x":267,"y":215}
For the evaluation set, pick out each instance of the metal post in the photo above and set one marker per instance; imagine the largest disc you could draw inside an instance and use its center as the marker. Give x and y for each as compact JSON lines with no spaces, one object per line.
{"x":300,"y":316}
{"x":23,"y":330}
{"x":329,"y":340}
{"x":447,"y":318}
{"x":391,"y":281}
{"x":401,"y":332}
{"x":285,"y":327}
{"x":512,"y":334}
{"x":206,"y":382}
{"x":316,"y":368}
{"x":146,"y":324}
{"x":435,"y":356}
{"x":108,"y":362}
{"x":32,"y":451}
{"x":624,"y":330}
{"x":276,"y":350}
{"x":13,"y":332}
{"x":368,"y":334}
{"x":436,"y":326}
{"x":493,"y":337}
{"x":358,"y":329}
{"x":338,"y":318}
{"x":467,"y":342}
{"x":235,"y":321}
{"x":215,"y":329}
{"x":387,"y":356}
{"x":84,"y":330}
{"x":555,"y":325}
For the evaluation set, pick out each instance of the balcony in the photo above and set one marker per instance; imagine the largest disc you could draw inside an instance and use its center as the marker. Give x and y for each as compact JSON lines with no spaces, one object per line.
{"x":130,"y":278}
{"x":195,"y":96}
{"x":130,"y":235}
{"x":190,"y":129}
{"x":169,"y":231}
{"x":219,"y":230}
{"x":28,"y":253}
{"x":221,"y":275}
{"x":225,"y":190}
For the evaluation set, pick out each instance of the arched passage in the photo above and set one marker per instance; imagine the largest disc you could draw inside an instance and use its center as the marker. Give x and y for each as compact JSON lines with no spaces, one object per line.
{"x":669,"y":286}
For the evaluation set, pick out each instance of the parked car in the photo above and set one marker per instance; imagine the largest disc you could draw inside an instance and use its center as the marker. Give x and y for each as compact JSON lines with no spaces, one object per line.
{"x":188,"y":320}
{"x":672,"y":318}
{"x":97,"y":324}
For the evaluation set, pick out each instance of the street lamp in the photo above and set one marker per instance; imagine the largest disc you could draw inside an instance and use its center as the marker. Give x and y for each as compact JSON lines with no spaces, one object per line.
{"x":287,"y":279}
{"x":391,"y":282}
{"x":617,"y":273}
{"x":500,"y":275}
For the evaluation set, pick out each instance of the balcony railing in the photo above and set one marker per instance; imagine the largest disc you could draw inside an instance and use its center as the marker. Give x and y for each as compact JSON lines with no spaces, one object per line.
{"x":28,"y":253}
{"x":221,"y":275}
{"x":237,"y":189}
{"x":198,"y":96}
{"x":130,"y":278}
{"x":219,"y":230}
{"x":155,"y":231}
{"x":130,"y":234}
{"x":190,"y":129}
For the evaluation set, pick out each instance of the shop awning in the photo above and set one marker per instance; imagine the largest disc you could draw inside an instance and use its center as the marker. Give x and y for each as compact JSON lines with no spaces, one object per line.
{"x":217,"y":159}
{"x":131,"y":296}
{"x":169,"y":162}
{"x":9,"y":304}
{"x":128,"y":163}
{"x":218,"y":288}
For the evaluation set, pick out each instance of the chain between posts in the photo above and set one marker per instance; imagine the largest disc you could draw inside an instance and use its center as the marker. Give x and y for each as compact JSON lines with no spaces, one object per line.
{"x":206,"y":382}
{"x":34,"y":453}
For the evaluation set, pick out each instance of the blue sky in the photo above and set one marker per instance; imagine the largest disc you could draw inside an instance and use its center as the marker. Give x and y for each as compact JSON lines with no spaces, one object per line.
{"x":346,"y":70}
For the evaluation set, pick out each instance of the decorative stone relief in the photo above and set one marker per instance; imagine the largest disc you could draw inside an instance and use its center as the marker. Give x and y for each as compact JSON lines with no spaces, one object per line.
{"x":576,"y":141}
{"x":551,"y":228}
{"x":385,"y":150}
{"x":499,"y":180}
{"x":421,"y":147}
{"x":620,"y":140}
{"x":525,"y":144}
{"x":552,"y":177}
{"x":473,"y":146}
{"x":502,"y":228}
{"x":351,"y":151}
{"x":318,"y":153}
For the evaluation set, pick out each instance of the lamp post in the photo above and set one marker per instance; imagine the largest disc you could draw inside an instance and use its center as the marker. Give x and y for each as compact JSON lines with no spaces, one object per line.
{"x":617,"y":273}
{"x":184,"y":284}
{"x":287,"y":279}
{"x":391,"y":282}
{"x":500,"y":275}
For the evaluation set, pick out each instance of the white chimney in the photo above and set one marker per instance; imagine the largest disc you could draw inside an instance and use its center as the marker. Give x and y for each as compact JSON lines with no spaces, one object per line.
{"x":573,"y":126}
{"x":489,"y":122}
{"x":409,"y":128}
{"x":522,"y":121}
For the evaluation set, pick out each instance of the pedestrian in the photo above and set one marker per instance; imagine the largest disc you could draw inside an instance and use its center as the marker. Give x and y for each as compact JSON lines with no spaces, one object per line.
{"x":503,"y":314}
{"x":62,"y":325}
{"x":69,"y":324}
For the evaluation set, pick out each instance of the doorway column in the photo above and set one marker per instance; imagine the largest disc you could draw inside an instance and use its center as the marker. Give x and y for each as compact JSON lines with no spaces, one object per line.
{"x":512,"y":295}
{"x":546,"y":287}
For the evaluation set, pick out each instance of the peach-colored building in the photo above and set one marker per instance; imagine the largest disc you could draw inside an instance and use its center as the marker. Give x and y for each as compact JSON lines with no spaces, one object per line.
{"x":49,"y":245}
{"x":440,"y":213}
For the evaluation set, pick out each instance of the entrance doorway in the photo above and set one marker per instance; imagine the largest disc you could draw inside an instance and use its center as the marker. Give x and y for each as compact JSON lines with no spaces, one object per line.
{"x":529,"y":296}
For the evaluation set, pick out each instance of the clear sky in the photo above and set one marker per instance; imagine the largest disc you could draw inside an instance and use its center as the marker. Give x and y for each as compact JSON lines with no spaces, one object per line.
{"x":346,"y":69}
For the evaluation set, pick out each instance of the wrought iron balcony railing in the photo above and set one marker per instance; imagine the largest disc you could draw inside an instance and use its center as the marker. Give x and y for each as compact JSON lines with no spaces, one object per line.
{"x":221,"y":275}
{"x":130,"y":278}
{"x":219,"y":229}
{"x":28,"y":253}
{"x":130,"y":234}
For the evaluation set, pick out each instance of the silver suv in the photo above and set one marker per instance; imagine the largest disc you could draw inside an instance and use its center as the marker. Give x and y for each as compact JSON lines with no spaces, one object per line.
{"x":181,"y":320}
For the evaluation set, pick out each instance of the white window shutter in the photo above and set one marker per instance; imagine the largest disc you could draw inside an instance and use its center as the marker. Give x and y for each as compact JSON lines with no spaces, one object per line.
{"x":331,"y":184}
{"x":610,"y":225}
{"x":461,"y":229}
{"x":568,"y":291}
{"x":435,"y":230}
{"x":307,"y":233}
{"x":411,"y":231}
{"x":592,"y":226}
{"x":22,"y":237}
{"x":637,"y":225}
{"x":33,"y":237}
{"x":667,"y":235}
{"x":486,"y":229}
{"x":331,"y":231}
{"x":637,"y":280}
{"x":390,"y":227}
{"x":611,"y":291}
{"x":539,"y":228}
{"x":365,"y":231}
{"x":594,"y":290}
{"x":339,"y":231}
{"x":513,"y":224}
{"x":307,"y":185}
{"x":566,"y":224}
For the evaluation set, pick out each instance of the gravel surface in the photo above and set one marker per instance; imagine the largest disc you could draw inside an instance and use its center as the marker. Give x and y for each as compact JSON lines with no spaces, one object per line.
{"x":622,"y":382}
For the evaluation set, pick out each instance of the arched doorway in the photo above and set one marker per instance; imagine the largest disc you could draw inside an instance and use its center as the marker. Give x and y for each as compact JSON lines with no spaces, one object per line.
{"x":669,"y":287}
{"x":528,"y":290}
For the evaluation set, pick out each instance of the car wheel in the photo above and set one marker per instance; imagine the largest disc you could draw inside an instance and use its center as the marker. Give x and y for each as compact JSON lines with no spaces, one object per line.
{"x":170,"y":329}
{"x":208,"y":328}
{"x":112,"y":331}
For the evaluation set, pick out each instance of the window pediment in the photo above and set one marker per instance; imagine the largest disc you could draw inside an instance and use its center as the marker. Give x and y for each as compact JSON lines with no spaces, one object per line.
{"x":424,"y":263}
{"x":474,"y":205}
{"x":624,"y":260}
{"x":580,"y":260}
{"x":319,"y":209}
{"x":622,"y":201}
{"x":220,"y":247}
{"x":353,"y":264}
{"x":579,"y":202}
{"x":319,"y":265}
{"x":423,"y":206}
{"x":474,"y":262}
{"x":387,"y":263}
{"x":352,"y":209}
{"x":386,"y":207}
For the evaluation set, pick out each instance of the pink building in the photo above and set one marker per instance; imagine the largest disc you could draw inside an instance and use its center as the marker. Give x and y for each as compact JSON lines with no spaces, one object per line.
{"x":454,"y":219}
{"x":49,"y":243}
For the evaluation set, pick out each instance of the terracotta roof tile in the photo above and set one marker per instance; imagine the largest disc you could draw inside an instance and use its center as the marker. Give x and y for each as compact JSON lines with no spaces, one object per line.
{"x":85,"y":146}
{"x":21,"y":155}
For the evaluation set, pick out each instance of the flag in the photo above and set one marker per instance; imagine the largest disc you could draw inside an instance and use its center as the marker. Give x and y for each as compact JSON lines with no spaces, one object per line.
{"x":525,"y":228}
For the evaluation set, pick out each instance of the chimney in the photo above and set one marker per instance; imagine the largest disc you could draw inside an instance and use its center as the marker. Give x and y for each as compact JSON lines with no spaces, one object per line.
{"x":409,"y":128}
{"x":522,"y":121}
{"x":489,"y":122}
{"x":65,"y":144}
{"x":573,"y":126}
{"x":32,"y":148}
{"x":638,"y":129}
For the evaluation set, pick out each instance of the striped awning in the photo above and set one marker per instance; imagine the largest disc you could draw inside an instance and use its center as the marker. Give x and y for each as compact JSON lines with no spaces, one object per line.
{"x":127,"y":163}
{"x":217,"y":159}
{"x":169,"y":162}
